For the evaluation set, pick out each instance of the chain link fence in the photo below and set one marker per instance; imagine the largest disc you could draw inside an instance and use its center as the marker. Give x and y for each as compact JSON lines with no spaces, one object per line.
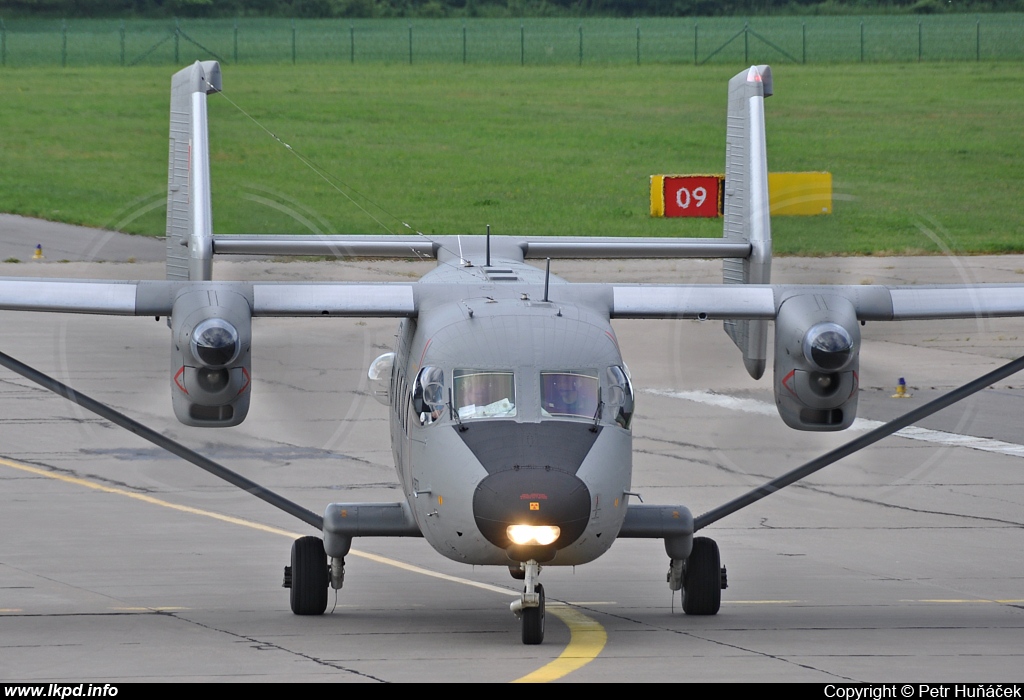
{"x":990,"y":37}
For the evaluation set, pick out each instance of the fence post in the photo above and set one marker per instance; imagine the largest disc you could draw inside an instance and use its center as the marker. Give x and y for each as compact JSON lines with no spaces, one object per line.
{"x":410,"y":44}
{"x":694,"y":44}
{"x":746,"y":43}
{"x":235,"y":55}
{"x":122,"y":43}
{"x":3,"y":43}
{"x":638,"y":44}
{"x":919,"y":40}
{"x":63,"y":43}
{"x":352,"y":43}
{"x":522,"y":45}
{"x":803,"y":42}
{"x":294,"y":41}
{"x":177,"y":31}
{"x":862,"y":41}
{"x":463,"y":44}
{"x":581,"y":44}
{"x":977,"y":41}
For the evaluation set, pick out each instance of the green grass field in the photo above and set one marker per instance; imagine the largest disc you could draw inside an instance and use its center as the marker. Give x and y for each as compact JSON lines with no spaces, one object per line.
{"x":924,"y":156}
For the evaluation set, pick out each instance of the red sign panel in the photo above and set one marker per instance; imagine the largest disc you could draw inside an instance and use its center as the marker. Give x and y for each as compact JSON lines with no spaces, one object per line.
{"x":692,"y":195}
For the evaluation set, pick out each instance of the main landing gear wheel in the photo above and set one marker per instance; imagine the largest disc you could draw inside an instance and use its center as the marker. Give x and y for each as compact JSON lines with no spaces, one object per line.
{"x":702,"y":578}
{"x":533,"y":620}
{"x":310,"y":576}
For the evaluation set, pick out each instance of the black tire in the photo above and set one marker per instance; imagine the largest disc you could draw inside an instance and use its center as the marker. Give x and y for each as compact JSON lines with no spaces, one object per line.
{"x":702,"y":580}
{"x":309,"y":576}
{"x":533,"y":620}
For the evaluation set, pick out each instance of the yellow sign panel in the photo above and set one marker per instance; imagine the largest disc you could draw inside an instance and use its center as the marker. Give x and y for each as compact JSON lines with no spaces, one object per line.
{"x":657,"y":195}
{"x":800,"y":194}
{"x":789,"y":194}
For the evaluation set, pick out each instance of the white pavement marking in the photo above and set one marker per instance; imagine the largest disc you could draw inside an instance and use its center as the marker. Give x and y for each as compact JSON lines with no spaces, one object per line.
{"x":912,"y":432}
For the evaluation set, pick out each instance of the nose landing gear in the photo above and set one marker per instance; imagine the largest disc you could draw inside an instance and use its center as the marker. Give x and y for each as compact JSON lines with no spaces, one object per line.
{"x":530,"y":607}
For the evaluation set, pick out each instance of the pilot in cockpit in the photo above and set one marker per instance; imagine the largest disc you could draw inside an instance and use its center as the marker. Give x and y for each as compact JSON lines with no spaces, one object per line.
{"x":484,"y":394}
{"x":568,"y":394}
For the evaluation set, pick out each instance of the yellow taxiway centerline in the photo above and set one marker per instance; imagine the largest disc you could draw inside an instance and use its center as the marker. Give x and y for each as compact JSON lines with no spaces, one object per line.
{"x":587,"y":637}
{"x":586,"y":640}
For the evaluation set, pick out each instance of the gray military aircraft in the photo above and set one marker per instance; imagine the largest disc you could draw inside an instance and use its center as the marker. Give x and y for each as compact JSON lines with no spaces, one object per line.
{"x":510,"y":402}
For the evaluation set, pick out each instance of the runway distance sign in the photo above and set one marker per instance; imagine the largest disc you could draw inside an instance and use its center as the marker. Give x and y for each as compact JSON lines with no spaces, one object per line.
{"x":789,"y":194}
{"x":686,"y":195}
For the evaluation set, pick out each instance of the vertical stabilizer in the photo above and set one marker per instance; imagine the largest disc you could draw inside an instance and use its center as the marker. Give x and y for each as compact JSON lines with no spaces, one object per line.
{"x":746,"y":204}
{"x":189,"y":214}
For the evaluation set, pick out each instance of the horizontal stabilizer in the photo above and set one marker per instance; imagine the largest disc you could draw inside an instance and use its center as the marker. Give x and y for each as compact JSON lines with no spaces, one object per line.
{"x":530,"y":247}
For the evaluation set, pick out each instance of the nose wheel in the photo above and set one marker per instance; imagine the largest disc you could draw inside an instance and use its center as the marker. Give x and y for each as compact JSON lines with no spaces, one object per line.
{"x":533,"y":619}
{"x":530,"y":607}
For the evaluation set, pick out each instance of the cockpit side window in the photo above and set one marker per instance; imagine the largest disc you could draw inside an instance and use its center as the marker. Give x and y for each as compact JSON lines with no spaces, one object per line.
{"x":382,"y":378}
{"x":484,"y":393}
{"x":619,"y":395}
{"x":569,"y":393}
{"x":428,"y":395}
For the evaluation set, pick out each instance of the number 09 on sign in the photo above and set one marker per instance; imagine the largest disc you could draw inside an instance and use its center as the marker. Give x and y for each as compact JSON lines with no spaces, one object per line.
{"x":687,"y":195}
{"x":683,"y":197}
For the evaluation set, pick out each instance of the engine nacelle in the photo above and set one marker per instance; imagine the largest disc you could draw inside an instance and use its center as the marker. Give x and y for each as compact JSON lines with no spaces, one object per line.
{"x":211,"y":332}
{"x":817,"y":346}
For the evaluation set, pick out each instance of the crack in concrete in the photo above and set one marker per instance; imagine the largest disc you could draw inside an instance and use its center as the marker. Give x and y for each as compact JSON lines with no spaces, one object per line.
{"x":77,"y":475}
{"x":923,"y":511}
{"x":728,"y":645}
{"x":260,"y":645}
{"x":680,"y":458}
{"x":256,"y":644}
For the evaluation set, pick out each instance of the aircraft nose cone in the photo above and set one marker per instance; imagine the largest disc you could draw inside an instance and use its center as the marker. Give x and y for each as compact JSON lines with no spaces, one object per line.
{"x":531,"y":496}
{"x":531,"y":480}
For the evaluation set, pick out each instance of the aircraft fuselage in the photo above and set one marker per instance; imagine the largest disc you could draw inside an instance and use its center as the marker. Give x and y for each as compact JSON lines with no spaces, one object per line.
{"x":507,"y":409}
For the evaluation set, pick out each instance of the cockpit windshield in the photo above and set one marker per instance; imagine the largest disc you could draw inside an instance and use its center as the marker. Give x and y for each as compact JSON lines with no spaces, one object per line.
{"x":569,"y":393}
{"x":484,"y":394}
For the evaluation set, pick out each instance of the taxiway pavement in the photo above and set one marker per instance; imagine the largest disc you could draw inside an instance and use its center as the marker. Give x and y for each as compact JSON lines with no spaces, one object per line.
{"x":121,"y":563}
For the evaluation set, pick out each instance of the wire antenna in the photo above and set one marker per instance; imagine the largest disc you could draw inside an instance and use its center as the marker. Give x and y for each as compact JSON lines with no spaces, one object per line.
{"x":333,"y":181}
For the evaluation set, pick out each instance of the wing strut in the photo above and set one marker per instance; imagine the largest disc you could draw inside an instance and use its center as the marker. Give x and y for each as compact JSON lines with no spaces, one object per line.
{"x":860,"y":443}
{"x":176,"y":448}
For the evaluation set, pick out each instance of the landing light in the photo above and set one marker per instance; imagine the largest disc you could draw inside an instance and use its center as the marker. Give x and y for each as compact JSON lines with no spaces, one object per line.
{"x":533,"y":534}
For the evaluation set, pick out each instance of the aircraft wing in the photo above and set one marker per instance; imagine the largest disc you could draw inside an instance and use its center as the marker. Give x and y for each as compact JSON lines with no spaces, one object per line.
{"x":356,"y":299}
{"x":332,"y":299}
{"x":69,"y":296}
{"x":870,"y":302}
{"x":711,"y":301}
{"x":157,"y":297}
